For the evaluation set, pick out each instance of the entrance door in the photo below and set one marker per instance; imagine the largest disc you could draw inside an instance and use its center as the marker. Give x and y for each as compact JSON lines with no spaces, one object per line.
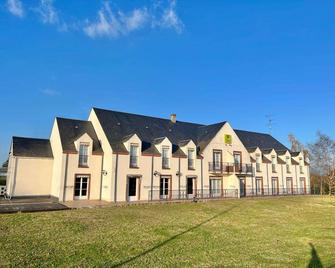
{"x":259,"y":186}
{"x":132,"y":189}
{"x":302,"y":186}
{"x":242,"y":187}
{"x":215,"y":187}
{"x":81,"y":187}
{"x":217,"y":160}
{"x":275,"y":186}
{"x":289,"y":186}
{"x":164,"y":188}
{"x":191,"y":187}
{"x":238,"y":161}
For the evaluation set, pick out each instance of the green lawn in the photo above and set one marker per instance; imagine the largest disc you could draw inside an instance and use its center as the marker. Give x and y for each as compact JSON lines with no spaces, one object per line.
{"x":272,"y":232}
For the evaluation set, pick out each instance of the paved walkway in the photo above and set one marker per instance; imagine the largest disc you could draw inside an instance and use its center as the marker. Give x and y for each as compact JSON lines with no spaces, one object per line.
{"x":29,"y":205}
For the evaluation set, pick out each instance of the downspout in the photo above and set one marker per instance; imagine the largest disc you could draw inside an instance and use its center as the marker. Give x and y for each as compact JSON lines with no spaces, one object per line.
{"x":102,"y":175}
{"x":252,"y":179}
{"x":202,"y":179}
{"x":179,"y":178}
{"x":115,"y":181}
{"x":282,"y":175}
{"x":267,"y":176}
{"x":296,"y":176}
{"x":14,"y":179}
{"x":152,"y":178}
{"x":65,"y":176}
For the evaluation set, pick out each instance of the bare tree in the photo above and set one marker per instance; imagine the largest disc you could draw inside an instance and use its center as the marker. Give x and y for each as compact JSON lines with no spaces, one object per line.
{"x":322,"y":156}
{"x":296,"y":145}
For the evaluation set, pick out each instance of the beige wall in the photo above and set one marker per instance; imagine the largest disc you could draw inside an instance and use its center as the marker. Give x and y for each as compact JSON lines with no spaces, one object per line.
{"x":32,"y":178}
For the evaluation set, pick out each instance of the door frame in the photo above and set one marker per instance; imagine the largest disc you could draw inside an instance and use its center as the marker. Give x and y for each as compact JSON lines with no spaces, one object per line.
{"x":88,"y":185}
{"x":262,"y":185}
{"x":194,"y":185}
{"x":245,"y":186}
{"x":291,"y":181}
{"x":216,"y":178}
{"x":277,"y":180}
{"x":169,"y":177}
{"x":304,"y":180}
{"x":138,"y":187}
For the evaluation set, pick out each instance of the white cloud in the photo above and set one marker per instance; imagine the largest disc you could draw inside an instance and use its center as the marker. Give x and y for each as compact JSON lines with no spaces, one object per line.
{"x":48,"y":13}
{"x":15,"y":7}
{"x":115,"y":24}
{"x":50,"y":92}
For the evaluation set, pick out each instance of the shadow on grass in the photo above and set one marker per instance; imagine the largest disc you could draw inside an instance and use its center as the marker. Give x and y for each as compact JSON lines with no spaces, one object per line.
{"x":315,"y":261}
{"x":163,"y":243}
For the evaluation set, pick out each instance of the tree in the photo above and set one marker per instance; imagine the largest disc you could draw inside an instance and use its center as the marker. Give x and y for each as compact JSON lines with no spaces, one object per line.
{"x":322,"y":156}
{"x":296,"y":146}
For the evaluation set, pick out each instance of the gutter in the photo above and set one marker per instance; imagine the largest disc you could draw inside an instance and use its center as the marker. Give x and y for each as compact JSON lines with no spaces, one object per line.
{"x":101,"y":178}
{"x":14,"y":179}
{"x":115,"y":181}
{"x":152,"y":177}
{"x":65,"y":175}
{"x":202,"y":179}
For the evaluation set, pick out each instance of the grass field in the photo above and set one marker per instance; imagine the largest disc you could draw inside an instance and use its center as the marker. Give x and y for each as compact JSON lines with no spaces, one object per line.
{"x":273,"y":232}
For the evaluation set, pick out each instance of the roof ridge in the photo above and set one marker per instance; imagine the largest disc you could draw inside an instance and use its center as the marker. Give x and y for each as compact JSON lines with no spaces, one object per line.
{"x":148,"y":116}
{"x":71,"y":119}
{"x":262,"y":133}
{"x":30,"y":138}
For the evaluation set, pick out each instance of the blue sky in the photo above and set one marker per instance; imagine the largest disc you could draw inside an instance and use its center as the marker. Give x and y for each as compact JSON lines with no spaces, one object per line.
{"x":207,"y":61}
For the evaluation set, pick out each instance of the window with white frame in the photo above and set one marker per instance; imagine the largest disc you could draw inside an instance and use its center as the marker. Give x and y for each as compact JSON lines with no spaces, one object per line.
{"x":165,"y":157}
{"x":133,"y":155}
{"x":83,"y":154}
{"x":288,"y":164}
{"x":258,"y":162}
{"x":274,"y":162}
{"x":190,"y":157}
{"x":301,"y":164}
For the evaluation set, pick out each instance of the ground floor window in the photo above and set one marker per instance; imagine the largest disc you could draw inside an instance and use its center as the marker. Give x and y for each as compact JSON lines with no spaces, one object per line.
{"x":81,"y":187}
{"x":215,"y":186}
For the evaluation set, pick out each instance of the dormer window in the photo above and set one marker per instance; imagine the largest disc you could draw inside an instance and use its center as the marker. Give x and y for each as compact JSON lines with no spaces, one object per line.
{"x":83,"y":155}
{"x":133,"y":155}
{"x":301,"y":165}
{"x":165,"y":157}
{"x":258,"y":162}
{"x":190,"y":156}
{"x":273,"y":161}
{"x":288,"y":164}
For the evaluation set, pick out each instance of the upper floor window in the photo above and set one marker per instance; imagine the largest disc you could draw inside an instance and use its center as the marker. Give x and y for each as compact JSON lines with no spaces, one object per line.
{"x":190,"y":157}
{"x":165,"y":157}
{"x":288,"y":164}
{"x":83,"y":155}
{"x":258,"y":162}
{"x":273,"y":162}
{"x":133,"y":156}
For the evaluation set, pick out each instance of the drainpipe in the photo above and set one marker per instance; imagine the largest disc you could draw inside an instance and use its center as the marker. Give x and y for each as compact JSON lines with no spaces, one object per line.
{"x":152,"y":178}
{"x":115,"y":181}
{"x":252,"y":178}
{"x":14,"y":179}
{"x":65,"y":175}
{"x":179,"y":178}
{"x":202,"y":179}
{"x":282,"y":175}
{"x":101,"y":178}
{"x":296,"y":176}
{"x":267,"y":176}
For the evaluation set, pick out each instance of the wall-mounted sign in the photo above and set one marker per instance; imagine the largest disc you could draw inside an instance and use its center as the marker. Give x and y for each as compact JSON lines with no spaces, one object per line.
{"x":228,"y":139}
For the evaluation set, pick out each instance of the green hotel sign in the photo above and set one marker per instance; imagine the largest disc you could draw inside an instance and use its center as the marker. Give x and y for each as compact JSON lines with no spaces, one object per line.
{"x":228,"y":139}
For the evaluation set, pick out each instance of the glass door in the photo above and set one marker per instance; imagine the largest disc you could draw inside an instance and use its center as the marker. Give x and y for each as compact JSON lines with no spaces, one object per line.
{"x":259,"y":186}
{"x":132,"y":189}
{"x":164,"y":188}
{"x":81,"y":187}
{"x":238,"y":161}
{"x":242,"y":187}
{"x":217,"y":160}
{"x":302,"y":186}
{"x":289,"y":186}
{"x":275,"y":186}
{"x":215,"y":187}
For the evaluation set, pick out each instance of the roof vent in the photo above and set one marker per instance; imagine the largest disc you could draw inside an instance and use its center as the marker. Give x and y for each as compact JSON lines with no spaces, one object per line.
{"x":146,"y":127}
{"x":76,"y":126}
{"x":173,"y":118}
{"x":118,"y":123}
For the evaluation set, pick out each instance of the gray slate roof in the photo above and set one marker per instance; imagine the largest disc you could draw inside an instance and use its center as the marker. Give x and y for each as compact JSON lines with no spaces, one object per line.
{"x":152,"y":130}
{"x":31,"y":147}
{"x":261,"y":140}
{"x":70,"y":130}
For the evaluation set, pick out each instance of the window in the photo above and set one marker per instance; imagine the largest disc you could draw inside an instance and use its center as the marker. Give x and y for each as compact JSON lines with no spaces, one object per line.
{"x":301,"y":165}
{"x":238,"y":161}
{"x":217,"y":160}
{"x":133,"y":156}
{"x":288,"y":164}
{"x":83,"y":155}
{"x":258,"y":162}
{"x":190,"y":154}
{"x":165,"y":157}
{"x":273,"y":161}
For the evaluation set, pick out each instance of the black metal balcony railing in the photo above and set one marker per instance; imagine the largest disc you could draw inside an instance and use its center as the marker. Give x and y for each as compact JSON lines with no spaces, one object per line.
{"x":133,"y":161}
{"x":170,"y":195}
{"x":165,"y":162}
{"x":221,"y":168}
{"x":252,"y":192}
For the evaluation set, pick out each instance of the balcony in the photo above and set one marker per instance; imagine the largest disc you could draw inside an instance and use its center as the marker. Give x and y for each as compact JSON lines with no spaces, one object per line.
{"x":229,"y":168}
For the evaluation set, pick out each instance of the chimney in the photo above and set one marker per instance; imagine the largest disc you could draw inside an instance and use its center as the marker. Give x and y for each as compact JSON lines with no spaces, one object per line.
{"x":173,"y":118}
